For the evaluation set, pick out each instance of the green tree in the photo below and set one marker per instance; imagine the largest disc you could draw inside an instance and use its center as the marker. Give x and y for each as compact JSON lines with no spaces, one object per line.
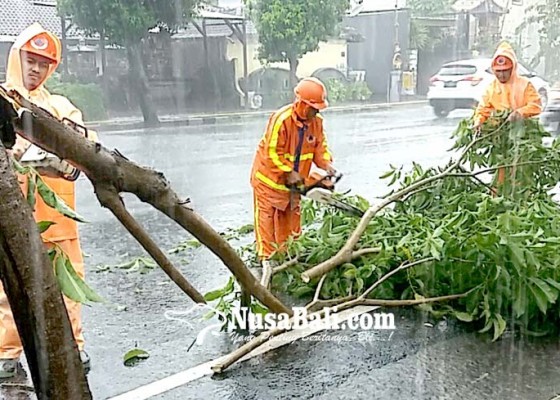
{"x":429,"y":8}
{"x":546,"y":15}
{"x":421,"y":36}
{"x":288,"y":29}
{"x":126,"y":23}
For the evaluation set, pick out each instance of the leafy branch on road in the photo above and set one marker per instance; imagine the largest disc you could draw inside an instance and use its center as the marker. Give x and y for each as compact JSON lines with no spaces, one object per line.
{"x":446,"y":241}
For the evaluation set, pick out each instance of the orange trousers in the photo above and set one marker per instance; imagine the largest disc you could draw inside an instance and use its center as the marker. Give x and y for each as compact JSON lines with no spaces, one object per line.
{"x":10,"y":343}
{"x":274,"y":226}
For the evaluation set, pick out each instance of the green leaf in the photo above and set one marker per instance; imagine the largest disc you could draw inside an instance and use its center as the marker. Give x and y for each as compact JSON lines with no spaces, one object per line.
{"x":134,"y":356}
{"x":229,"y":286}
{"x":351,"y":272}
{"x":20,"y":169}
{"x":487,"y":327}
{"x":302,"y":291}
{"x":258,"y":309}
{"x":208,"y":315}
{"x":219,"y":293}
{"x":518,"y":257}
{"x":214,"y":295}
{"x":246,"y":229}
{"x":387,"y":174}
{"x":359,"y":285}
{"x":52,"y":200}
{"x":520,"y":301}
{"x":89,"y":293}
{"x":553,"y":283}
{"x":366,"y":271}
{"x":499,"y":327}
{"x":550,"y":293}
{"x":31,"y":189}
{"x":43,"y":226}
{"x":67,"y":283}
{"x":540,"y":298}
{"x":194,"y":243}
{"x":434,"y":251}
{"x":463,"y":316}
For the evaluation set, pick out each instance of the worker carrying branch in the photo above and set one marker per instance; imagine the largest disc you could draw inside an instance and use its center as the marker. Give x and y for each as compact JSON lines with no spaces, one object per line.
{"x":294,"y":140}
{"x":508,"y":92}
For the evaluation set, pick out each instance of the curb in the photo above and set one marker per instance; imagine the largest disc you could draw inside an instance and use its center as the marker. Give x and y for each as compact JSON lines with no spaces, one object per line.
{"x":217,"y":119}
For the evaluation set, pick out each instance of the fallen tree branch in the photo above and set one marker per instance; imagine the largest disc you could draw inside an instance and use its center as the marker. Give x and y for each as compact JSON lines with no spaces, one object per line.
{"x":393,"y":272}
{"x":415,"y":192}
{"x":476,"y":178}
{"x":317,"y":293}
{"x":415,"y":302}
{"x":319,"y":304}
{"x":248,"y":347}
{"x":365,"y":252}
{"x":267,"y":275}
{"x":344,"y":255}
{"x":493,"y":169}
{"x":356,"y":254}
{"x":109,"y":168}
{"x":286,"y":265}
{"x":110,"y":199}
{"x":335,"y":306}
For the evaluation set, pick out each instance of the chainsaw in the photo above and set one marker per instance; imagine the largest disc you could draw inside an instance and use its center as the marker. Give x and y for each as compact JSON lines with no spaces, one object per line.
{"x":321,"y":189}
{"x":48,"y":164}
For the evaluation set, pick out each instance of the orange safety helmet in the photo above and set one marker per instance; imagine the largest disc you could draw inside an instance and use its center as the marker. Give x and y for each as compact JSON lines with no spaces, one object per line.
{"x":42,"y":45}
{"x":312,"y":92}
{"x":502,"y":63}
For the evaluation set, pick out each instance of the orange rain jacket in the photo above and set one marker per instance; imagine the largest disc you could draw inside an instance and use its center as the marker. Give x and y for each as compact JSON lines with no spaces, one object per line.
{"x":286,"y":136}
{"x":60,"y":107}
{"x":65,"y":231}
{"x":518,"y":94}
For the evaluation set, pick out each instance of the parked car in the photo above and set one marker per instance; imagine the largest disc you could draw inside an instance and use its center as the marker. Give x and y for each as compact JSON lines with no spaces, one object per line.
{"x":461,"y":85}
{"x":550,"y":117}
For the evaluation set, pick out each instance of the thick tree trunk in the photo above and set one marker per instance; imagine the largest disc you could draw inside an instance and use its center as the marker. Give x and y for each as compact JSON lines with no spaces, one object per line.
{"x":35,"y":298}
{"x":140,"y":85}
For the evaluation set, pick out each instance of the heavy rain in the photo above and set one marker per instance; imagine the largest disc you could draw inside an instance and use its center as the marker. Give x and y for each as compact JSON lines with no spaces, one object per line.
{"x":247,"y":141}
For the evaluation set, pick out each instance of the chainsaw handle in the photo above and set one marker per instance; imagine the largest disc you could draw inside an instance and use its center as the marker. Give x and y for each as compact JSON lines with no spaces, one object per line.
{"x":304,"y":189}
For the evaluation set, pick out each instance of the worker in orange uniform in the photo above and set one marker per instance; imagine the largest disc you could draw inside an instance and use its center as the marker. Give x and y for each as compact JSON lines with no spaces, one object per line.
{"x":509,"y":91}
{"x":33,"y":58}
{"x":293,"y":141}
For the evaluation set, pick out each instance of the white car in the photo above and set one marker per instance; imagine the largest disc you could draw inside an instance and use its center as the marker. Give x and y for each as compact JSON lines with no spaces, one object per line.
{"x":461,"y":84}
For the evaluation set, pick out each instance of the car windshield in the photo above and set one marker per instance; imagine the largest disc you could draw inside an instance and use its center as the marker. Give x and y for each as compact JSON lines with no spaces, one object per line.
{"x":457,"y":70}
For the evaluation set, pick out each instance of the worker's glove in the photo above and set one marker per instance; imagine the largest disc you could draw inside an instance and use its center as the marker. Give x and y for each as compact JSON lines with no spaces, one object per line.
{"x":7,"y":117}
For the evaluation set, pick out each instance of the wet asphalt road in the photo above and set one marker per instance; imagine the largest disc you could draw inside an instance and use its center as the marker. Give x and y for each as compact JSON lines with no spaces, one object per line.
{"x":211,"y":165}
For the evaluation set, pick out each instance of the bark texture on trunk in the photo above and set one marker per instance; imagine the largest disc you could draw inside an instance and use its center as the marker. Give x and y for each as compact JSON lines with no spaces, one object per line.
{"x":35,"y":298}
